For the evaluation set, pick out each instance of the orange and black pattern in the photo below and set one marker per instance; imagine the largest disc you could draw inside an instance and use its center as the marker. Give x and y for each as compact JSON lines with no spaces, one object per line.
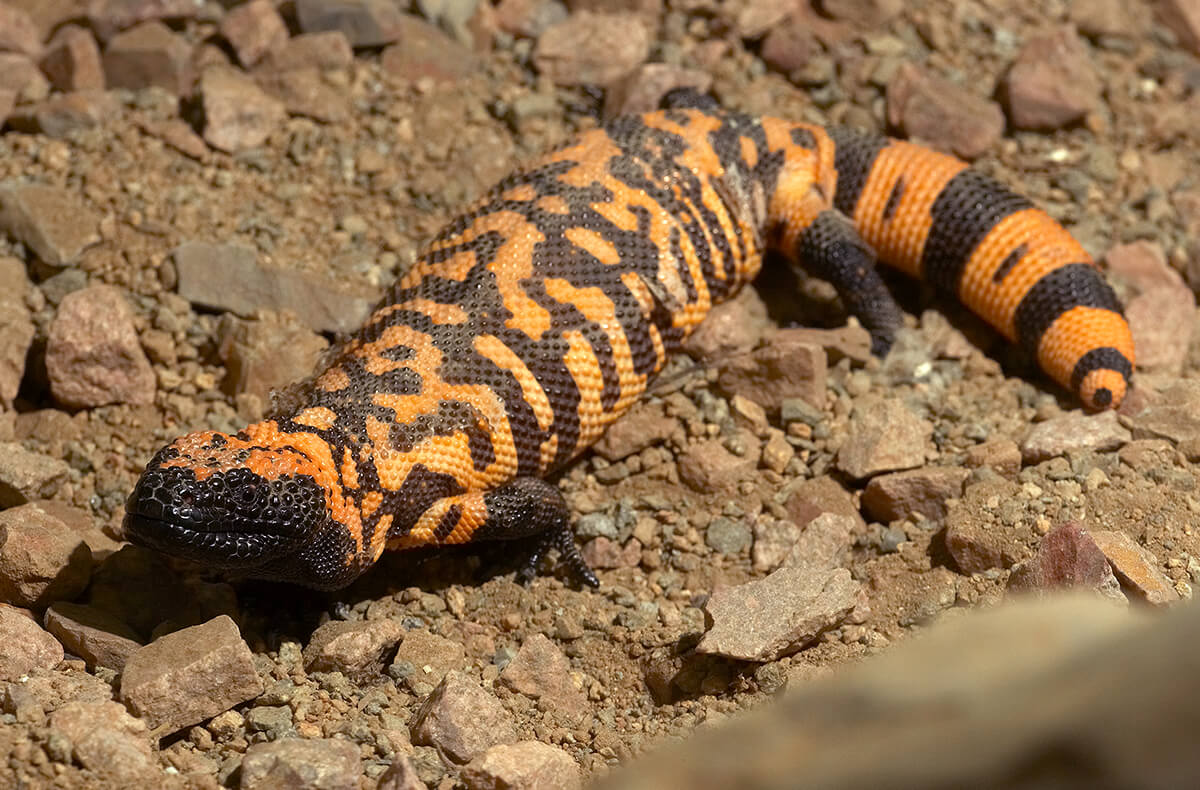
{"x":536,"y":318}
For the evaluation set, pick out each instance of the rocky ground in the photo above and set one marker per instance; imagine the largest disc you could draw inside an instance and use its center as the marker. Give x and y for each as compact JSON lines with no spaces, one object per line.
{"x":196,"y":197}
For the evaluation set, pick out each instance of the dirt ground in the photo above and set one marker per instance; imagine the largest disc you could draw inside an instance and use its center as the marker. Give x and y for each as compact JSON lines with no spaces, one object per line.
{"x":351,"y":202}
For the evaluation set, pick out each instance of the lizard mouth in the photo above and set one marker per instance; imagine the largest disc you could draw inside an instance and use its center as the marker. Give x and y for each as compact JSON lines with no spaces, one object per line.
{"x":224,"y":549}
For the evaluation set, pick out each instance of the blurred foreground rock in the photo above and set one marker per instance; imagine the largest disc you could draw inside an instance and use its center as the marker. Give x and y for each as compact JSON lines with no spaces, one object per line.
{"x":1065,"y":692}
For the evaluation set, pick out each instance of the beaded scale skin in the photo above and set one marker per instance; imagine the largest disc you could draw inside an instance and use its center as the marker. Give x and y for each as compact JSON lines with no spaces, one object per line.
{"x":539,"y":316}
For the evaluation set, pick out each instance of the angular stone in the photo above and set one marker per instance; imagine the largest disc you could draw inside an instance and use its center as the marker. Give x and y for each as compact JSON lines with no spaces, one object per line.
{"x":978,"y":536}
{"x":790,"y":45}
{"x":8,"y":101}
{"x":306,"y":92}
{"x":541,"y":672}
{"x":253,"y":29}
{"x":525,"y":765}
{"x":900,"y":494}
{"x":26,"y":475}
{"x":1183,"y":18}
{"x":16,"y":328}
{"x":821,"y":495}
{"x":606,"y":553}
{"x":358,"y":649}
{"x":228,"y":277}
{"x":884,"y":436}
{"x":708,"y":467}
{"x":946,"y":115}
{"x":237,"y":113}
{"x":325,"y":51}
{"x":735,"y":325}
{"x":765,"y":619}
{"x":364,"y":23}
{"x":430,"y":655}
{"x":1052,"y":82}
{"x":822,"y":544}
{"x":1073,"y":432}
{"x":785,"y":368}
{"x":18,"y":33}
{"x":303,"y":764}
{"x":51,"y":222}
{"x":863,"y":14}
{"x":20,"y":75}
{"x":190,"y":675}
{"x":756,"y":17}
{"x":1067,"y":557}
{"x":24,"y":646}
{"x":266,"y":354}
{"x":1136,"y":567}
{"x":107,"y":741}
{"x":425,"y":52}
{"x":1158,"y":319}
{"x":62,"y":114}
{"x":41,"y":559}
{"x":591,"y":49}
{"x":643,"y":90}
{"x":107,"y":17}
{"x":1002,"y":456}
{"x":644,"y":425}
{"x":401,"y":775}
{"x":1144,"y":265}
{"x":72,"y":61}
{"x":462,"y":720}
{"x":149,"y":55}
{"x":95,"y":636}
{"x":93,"y":355}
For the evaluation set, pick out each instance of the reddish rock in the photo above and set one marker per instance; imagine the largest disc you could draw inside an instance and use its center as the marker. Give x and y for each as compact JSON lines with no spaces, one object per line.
{"x":108,"y":742}
{"x":52,"y":222}
{"x":1136,"y":567}
{"x":821,"y":495}
{"x":177,"y":134}
{"x":149,"y":55}
{"x":462,"y":720}
{"x":425,"y":52}
{"x":95,"y":636}
{"x":1002,"y":456}
{"x":1052,"y":82}
{"x":358,"y":649}
{"x":776,"y":616}
{"x":736,"y":325}
{"x":24,"y":646}
{"x":1143,"y":264}
{"x":1162,"y":321}
{"x":26,"y":475}
{"x":900,"y":494}
{"x":602,"y":553}
{"x":107,"y":17}
{"x":945,"y":115}
{"x":266,"y":354}
{"x":8,"y":100}
{"x":756,"y":17}
{"x":64,"y":113}
{"x":253,"y":29}
{"x":328,"y":50}
{"x":777,"y":452}
{"x":1066,"y":557}
{"x":41,"y":559}
{"x":20,"y":75}
{"x":18,"y":33}
{"x":541,"y":672}
{"x":790,"y":45}
{"x":401,"y":775}
{"x":316,"y":763}
{"x":846,"y":342}
{"x":306,"y":92}
{"x":982,"y":534}
{"x":592,"y":49}
{"x":72,"y":61}
{"x":884,"y":436}
{"x":528,"y":18}
{"x":644,"y":425}
{"x":237,"y":113}
{"x":643,"y":90}
{"x":190,"y":675}
{"x":525,"y":765}
{"x":823,"y":543}
{"x":1183,"y":19}
{"x":1073,"y":432}
{"x":785,"y":368}
{"x":431,"y":656}
{"x":364,"y":23}
{"x":863,"y":14}
{"x":16,"y":328}
{"x":93,"y":356}
{"x":1112,"y":18}
{"x":709,"y":467}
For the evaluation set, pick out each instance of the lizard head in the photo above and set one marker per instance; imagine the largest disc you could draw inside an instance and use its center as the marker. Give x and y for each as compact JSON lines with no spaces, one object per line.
{"x":241,"y":503}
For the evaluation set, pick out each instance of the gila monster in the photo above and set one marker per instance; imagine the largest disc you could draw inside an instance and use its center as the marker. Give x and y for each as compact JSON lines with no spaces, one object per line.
{"x":538,"y":317}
